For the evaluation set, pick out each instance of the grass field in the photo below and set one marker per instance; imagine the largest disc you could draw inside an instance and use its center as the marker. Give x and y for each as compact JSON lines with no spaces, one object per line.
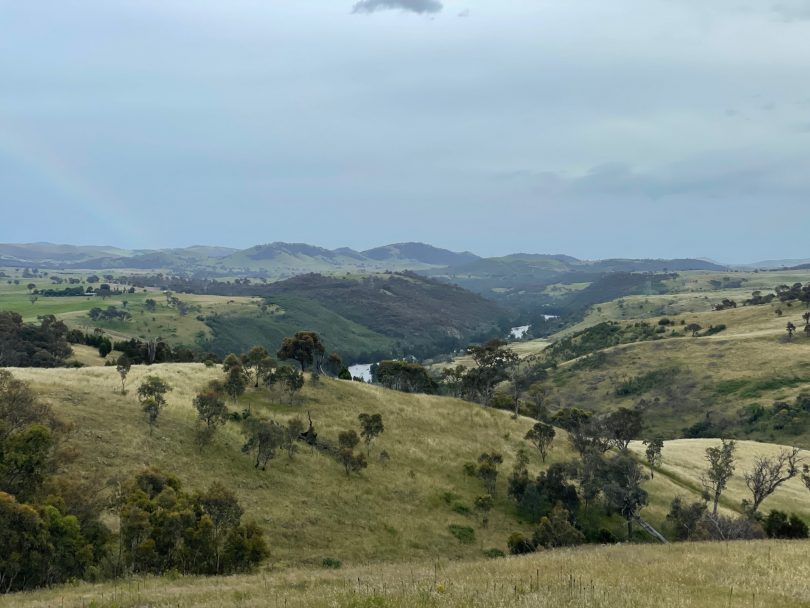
{"x":309,"y":508}
{"x":165,"y":321}
{"x":684,"y":464}
{"x":706,"y":575}
{"x":749,"y":363}
{"x":395,"y":511}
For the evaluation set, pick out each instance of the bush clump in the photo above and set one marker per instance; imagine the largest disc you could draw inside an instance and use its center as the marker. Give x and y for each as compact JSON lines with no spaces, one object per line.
{"x":464,"y":534}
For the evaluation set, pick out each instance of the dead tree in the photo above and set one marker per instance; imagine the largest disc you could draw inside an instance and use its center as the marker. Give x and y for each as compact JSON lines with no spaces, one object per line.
{"x":768,"y":474}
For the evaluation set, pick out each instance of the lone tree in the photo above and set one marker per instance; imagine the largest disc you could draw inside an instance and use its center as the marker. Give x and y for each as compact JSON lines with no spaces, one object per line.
{"x":152,"y":395}
{"x":371,"y":426}
{"x":653,"y":453}
{"x":263,"y":438}
{"x":334,"y":363}
{"x":768,"y":474}
{"x":288,"y":379}
{"x":622,"y":488}
{"x":493,"y":361}
{"x":585,"y":431}
{"x":488,"y":470}
{"x":790,"y":328}
{"x":257,"y":363}
{"x":235,"y":384}
{"x":693,"y":328}
{"x":122,"y":366}
{"x":623,"y":426}
{"x":211,"y":409}
{"x":721,"y":468}
{"x":348,"y":440}
{"x":537,"y":395}
{"x":541,"y":436}
{"x":484,"y":504}
{"x":305,"y":347}
{"x":292,"y":433}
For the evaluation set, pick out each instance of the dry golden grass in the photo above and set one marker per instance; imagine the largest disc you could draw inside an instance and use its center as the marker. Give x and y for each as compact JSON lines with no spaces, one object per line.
{"x":308,"y":507}
{"x":684,"y":462}
{"x":751,"y":351}
{"x":764,"y":574}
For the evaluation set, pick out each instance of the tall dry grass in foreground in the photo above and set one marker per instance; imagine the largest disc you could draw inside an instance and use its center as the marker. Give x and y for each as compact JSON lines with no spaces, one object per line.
{"x":766,"y":574}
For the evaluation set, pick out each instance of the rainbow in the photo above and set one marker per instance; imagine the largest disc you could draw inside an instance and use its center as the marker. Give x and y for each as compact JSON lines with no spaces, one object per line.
{"x":56,"y":173}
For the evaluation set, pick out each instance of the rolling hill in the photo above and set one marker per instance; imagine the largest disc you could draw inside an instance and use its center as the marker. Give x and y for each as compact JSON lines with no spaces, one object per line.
{"x":397,"y":514}
{"x":395,"y":510}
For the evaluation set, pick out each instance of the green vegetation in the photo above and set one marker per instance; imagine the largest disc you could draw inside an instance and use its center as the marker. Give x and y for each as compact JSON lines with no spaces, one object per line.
{"x":638,"y":385}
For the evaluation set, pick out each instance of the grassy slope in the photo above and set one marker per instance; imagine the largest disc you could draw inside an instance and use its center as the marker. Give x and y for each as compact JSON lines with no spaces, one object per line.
{"x":684,"y":463}
{"x":308,"y":506}
{"x":750,"y":362}
{"x":710,"y":575}
{"x":165,"y":322}
{"x":232,"y":330}
{"x":377,"y":315}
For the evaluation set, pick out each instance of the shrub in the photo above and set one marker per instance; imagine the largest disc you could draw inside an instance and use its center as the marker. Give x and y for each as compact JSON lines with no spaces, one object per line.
{"x":779,"y":525}
{"x":461,"y":509}
{"x":331,"y":563}
{"x":605,"y":537}
{"x":464,"y":534}
{"x":714,"y":329}
{"x":519,"y":544}
{"x":556,"y":530}
{"x":494,"y":553}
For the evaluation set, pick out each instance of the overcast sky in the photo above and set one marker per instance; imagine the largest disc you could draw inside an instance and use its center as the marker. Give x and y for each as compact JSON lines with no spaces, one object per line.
{"x":621,"y":128}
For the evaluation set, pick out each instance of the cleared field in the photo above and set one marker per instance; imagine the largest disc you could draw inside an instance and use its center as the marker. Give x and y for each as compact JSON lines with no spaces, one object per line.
{"x":707,"y":575}
{"x":164,"y":321}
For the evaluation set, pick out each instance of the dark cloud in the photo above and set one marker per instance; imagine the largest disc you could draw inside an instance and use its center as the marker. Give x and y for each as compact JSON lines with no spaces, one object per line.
{"x":414,"y":6}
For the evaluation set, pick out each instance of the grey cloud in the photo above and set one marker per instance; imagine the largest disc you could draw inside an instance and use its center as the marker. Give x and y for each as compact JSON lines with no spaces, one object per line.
{"x":793,"y":10}
{"x":414,"y":6}
{"x":706,"y":178}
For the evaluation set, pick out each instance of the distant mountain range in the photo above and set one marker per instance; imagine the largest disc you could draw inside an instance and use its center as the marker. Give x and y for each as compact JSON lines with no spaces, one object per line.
{"x":277,"y":260}
{"x":282,"y":260}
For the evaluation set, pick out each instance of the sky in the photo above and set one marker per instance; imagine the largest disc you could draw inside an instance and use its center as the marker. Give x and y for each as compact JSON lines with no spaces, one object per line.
{"x":628,"y":128}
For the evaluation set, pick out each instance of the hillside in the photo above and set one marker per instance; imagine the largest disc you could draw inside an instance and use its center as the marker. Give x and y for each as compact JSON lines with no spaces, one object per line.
{"x":394,"y":511}
{"x":308,"y":507}
{"x":760,"y":574}
{"x":419,"y":314}
{"x":740,"y":376}
{"x":365,"y":317}
{"x":420,"y":253}
{"x":562,"y":285}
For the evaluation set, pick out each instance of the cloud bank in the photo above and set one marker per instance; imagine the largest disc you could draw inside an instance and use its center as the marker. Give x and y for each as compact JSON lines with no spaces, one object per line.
{"x":413,"y":6}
